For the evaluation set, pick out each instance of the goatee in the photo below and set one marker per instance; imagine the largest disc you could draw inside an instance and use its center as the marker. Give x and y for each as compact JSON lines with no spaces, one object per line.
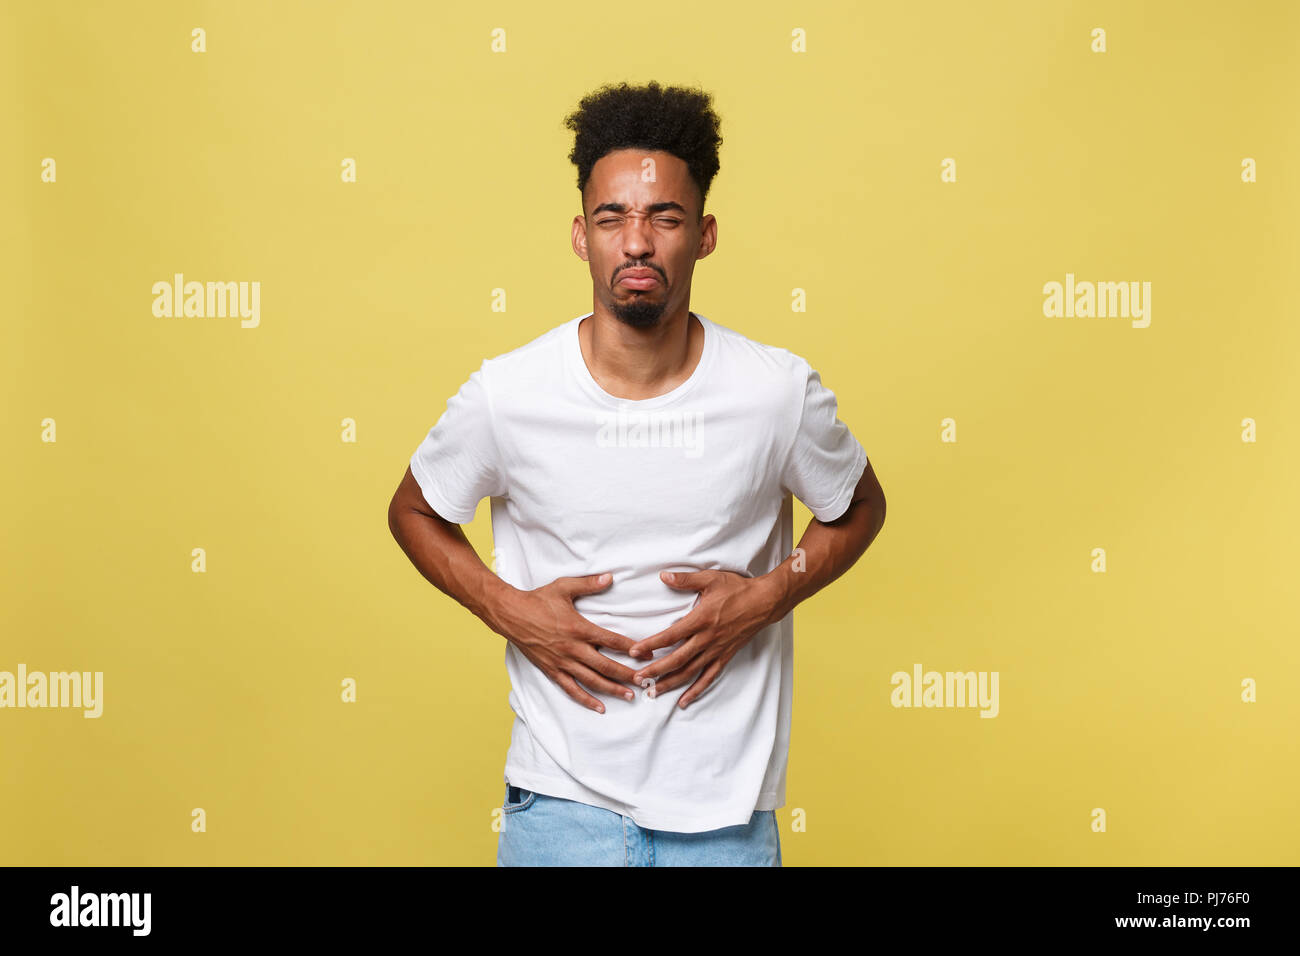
{"x":638,"y":313}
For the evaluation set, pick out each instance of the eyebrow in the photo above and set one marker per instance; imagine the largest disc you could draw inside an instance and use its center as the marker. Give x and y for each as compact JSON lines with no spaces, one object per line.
{"x":652,"y":208}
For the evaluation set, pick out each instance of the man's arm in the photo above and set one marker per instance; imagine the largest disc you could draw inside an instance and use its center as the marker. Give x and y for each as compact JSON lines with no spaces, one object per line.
{"x":440,"y":551}
{"x":828,"y":549}
{"x":543,"y":624}
{"x":733,"y":608}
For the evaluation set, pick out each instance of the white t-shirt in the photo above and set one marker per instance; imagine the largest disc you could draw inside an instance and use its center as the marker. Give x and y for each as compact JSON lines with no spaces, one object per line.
{"x":582,"y":482}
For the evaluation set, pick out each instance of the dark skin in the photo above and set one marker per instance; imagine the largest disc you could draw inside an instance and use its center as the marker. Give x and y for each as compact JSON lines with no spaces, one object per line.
{"x":641,"y":210}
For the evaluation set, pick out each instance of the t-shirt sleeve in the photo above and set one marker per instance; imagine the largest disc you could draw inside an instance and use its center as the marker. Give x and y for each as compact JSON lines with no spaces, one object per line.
{"x":825,"y":460}
{"x":458,"y":463}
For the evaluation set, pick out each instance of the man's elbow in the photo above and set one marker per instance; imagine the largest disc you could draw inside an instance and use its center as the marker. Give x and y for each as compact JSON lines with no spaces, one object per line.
{"x":400,"y":509}
{"x":873,"y":503}
{"x":395,"y":511}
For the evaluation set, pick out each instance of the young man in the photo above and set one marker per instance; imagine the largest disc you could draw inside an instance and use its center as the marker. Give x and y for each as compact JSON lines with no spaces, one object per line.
{"x":640,"y":461}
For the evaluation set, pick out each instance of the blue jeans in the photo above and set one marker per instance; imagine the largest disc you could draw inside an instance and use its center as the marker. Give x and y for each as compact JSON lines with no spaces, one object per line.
{"x":539,"y":830}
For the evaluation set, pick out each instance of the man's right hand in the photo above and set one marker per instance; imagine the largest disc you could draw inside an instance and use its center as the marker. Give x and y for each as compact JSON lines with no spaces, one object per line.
{"x":549,"y":631}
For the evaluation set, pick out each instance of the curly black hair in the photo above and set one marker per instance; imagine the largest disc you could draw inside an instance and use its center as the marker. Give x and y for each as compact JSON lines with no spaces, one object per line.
{"x":674,"y":119}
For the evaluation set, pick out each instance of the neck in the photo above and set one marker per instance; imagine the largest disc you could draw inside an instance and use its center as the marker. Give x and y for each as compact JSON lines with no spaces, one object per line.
{"x":636,"y":363}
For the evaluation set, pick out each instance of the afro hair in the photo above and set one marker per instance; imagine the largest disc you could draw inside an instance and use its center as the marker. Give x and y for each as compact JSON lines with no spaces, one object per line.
{"x":674,"y":119}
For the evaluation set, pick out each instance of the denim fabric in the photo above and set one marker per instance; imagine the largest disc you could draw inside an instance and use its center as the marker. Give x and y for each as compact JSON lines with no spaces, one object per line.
{"x":539,"y":830}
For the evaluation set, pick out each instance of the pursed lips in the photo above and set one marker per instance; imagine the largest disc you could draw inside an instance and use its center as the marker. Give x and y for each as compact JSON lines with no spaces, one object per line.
{"x":638,"y":278}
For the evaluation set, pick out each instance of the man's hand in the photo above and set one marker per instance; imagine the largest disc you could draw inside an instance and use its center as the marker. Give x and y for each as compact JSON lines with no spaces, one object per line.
{"x":732,"y":608}
{"x":549,"y":631}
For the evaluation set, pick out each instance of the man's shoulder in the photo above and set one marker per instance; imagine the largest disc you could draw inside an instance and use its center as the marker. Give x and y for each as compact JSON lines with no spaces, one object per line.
{"x":530,"y":364}
{"x":760,"y":357}
{"x":537,"y":349}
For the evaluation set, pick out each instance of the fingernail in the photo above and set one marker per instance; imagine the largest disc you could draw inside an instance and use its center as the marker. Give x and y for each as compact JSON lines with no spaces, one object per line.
{"x":600,"y":708}
{"x":604,"y":578}
{"x":627,"y":695}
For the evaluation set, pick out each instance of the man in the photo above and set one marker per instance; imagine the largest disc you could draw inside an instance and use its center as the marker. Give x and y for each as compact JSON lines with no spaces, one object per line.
{"x":640,"y":461}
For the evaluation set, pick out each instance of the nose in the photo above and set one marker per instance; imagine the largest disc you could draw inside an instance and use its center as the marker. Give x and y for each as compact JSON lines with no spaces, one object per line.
{"x":637,"y":237}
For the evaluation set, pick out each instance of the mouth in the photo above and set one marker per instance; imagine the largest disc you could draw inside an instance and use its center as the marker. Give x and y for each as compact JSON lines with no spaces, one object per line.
{"x":638,"y":278}
{"x":639,"y":282}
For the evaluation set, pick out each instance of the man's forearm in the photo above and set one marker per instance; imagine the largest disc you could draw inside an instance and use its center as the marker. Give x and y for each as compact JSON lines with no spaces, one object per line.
{"x":824,"y":553}
{"x":441,"y":552}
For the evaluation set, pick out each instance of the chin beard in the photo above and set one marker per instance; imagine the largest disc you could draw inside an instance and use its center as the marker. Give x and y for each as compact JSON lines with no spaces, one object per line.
{"x":638,"y":313}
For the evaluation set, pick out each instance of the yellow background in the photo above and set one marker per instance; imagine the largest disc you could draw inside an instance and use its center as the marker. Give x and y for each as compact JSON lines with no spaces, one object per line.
{"x":1118,"y":690}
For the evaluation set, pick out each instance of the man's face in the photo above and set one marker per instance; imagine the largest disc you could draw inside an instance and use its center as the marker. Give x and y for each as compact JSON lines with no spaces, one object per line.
{"x":642,"y":219}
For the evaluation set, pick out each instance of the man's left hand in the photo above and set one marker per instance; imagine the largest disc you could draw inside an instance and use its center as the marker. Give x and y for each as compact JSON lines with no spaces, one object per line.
{"x":731,"y":609}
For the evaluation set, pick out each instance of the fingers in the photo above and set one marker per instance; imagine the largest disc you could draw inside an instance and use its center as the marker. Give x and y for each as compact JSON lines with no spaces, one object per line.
{"x":603,"y":638}
{"x":570,"y":687}
{"x":681,"y":628}
{"x":587,"y":584}
{"x":555,"y":670}
{"x":687,"y":580}
{"x":610,"y":668}
{"x":701,"y":683}
{"x":580,"y":667}
{"x":707,"y":674}
{"x":576,"y":587}
{"x":661,"y":686}
{"x":668,"y":664}
{"x":594,"y":681}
